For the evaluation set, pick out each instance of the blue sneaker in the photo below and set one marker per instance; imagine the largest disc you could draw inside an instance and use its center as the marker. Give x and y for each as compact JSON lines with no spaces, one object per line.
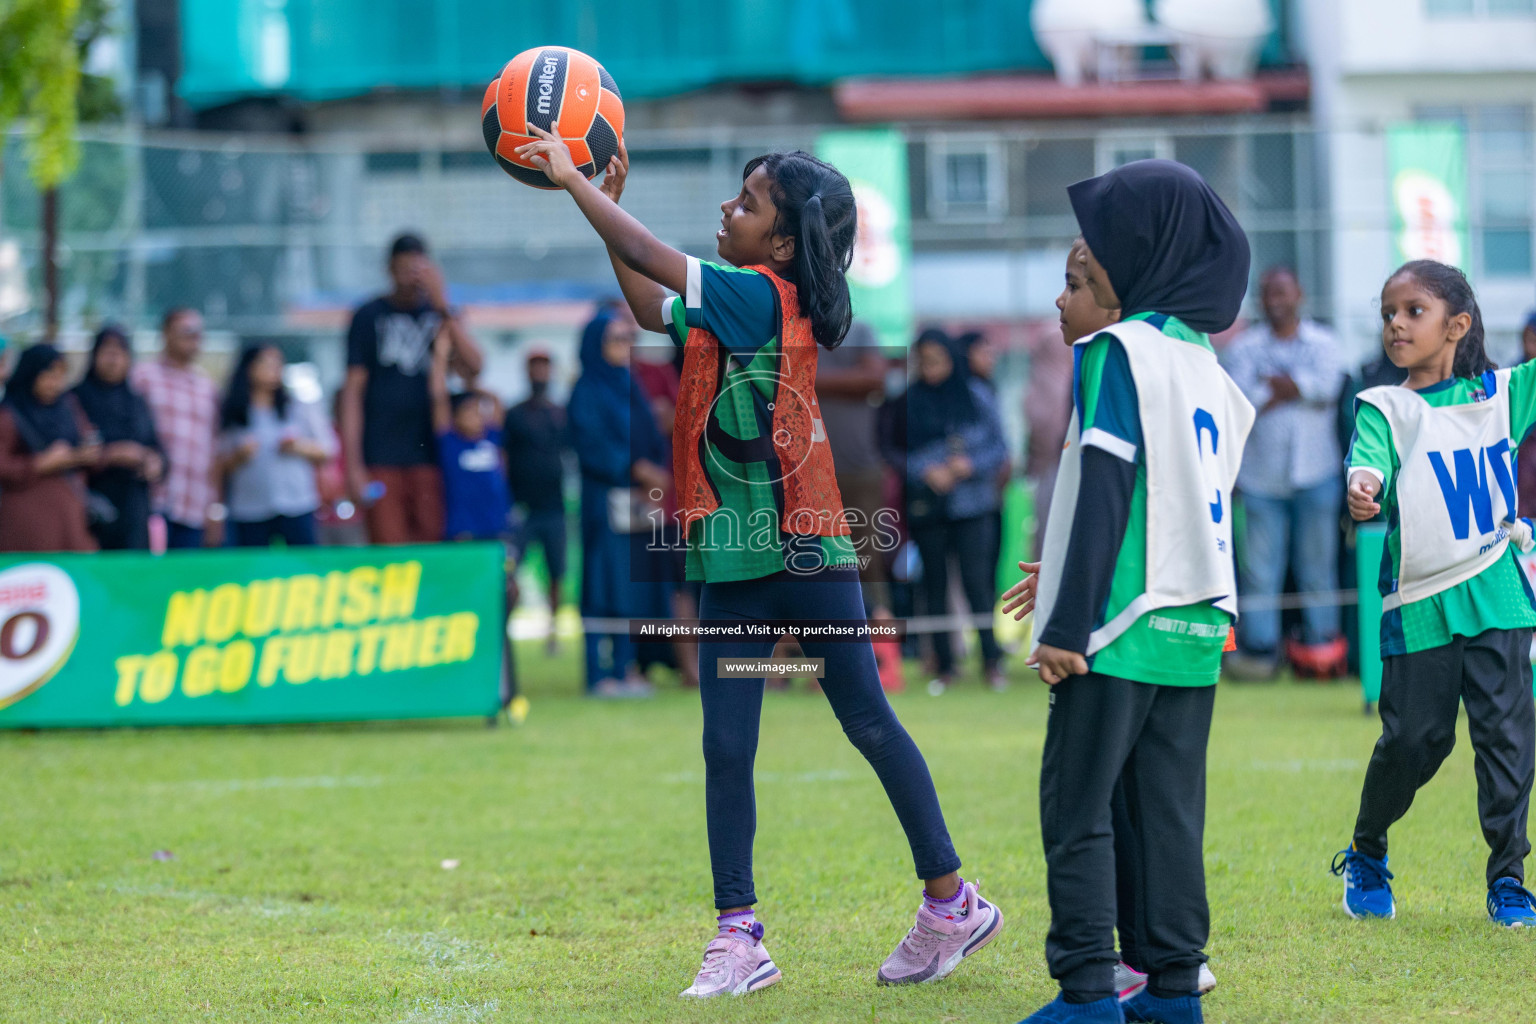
{"x":1511,"y":904}
{"x":1367,"y":893}
{"x":1059,"y":1011}
{"x":1147,"y":1008}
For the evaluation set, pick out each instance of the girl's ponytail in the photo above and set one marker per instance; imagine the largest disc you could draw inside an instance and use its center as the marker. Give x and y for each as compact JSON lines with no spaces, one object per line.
{"x":816,"y":207}
{"x":1450,"y":285}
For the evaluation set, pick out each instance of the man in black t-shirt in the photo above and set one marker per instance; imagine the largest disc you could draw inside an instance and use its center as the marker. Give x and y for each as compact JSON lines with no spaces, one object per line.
{"x":535,"y":440}
{"x":386,"y":411}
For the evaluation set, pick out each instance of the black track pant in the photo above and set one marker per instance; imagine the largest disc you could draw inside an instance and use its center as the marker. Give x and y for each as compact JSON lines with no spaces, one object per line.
{"x":975,"y":549}
{"x":1126,"y":873}
{"x":1491,"y":674}
{"x":1151,"y":740}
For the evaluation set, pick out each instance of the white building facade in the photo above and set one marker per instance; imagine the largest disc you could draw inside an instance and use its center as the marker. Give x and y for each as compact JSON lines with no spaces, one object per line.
{"x":1380,"y":63}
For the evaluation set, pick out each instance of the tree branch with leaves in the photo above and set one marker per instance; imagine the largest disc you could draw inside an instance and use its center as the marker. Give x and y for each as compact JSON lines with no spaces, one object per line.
{"x":40,"y":82}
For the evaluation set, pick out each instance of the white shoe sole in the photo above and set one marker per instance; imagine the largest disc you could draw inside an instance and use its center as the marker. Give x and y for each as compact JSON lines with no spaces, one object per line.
{"x":983,"y":935}
{"x":766,"y":974}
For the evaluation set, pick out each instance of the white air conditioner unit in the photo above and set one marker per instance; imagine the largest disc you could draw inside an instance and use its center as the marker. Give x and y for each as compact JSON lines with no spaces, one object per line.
{"x":1070,"y":32}
{"x":1223,"y":36}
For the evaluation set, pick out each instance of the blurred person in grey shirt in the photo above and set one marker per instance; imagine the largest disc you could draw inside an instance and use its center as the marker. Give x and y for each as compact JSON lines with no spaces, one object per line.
{"x":1291,"y":479}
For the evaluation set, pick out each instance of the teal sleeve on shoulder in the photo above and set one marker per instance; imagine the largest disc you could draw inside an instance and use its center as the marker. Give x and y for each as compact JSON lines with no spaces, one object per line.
{"x":1522,"y":401}
{"x":736,"y":305}
{"x":1106,"y":391}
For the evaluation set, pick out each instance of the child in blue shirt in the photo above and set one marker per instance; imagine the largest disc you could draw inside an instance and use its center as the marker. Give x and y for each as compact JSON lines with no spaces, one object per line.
{"x":475,"y":490}
{"x":469,"y":452}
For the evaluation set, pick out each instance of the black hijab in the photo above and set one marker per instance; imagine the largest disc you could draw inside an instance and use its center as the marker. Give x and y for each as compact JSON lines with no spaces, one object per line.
{"x":1168,"y":242}
{"x":112,"y":408}
{"x":39,"y":425}
{"x":935,"y":411}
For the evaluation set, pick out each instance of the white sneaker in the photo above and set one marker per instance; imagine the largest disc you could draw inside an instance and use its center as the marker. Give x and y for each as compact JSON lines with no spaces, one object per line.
{"x":1129,"y":982}
{"x":733,"y":966}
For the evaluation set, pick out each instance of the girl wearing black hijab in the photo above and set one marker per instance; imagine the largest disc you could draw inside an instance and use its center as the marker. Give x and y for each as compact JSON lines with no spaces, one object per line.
{"x":955,"y":448}
{"x":45,"y":441}
{"x":131,"y":458}
{"x":1137,"y":592}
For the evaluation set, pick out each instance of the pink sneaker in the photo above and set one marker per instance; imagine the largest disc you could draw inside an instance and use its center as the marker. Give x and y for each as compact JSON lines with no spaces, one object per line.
{"x":733,"y":967}
{"x":938,"y":942}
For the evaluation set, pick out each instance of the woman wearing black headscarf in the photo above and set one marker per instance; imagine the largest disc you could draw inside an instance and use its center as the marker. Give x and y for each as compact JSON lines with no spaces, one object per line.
{"x":1138,"y":591}
{"x":981,"y":365}
{"x":131,"y":458}
{"x":45,"y":441}
{"x":621,"y":451}
{"x":955,"y":448}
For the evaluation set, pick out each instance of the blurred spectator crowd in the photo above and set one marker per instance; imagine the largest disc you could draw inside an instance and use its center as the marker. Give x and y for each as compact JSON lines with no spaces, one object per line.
{"x":154,"y":455}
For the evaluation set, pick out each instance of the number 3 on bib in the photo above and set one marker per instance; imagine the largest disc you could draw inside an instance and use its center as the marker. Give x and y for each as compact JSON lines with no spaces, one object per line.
{"x":1205,"y":424}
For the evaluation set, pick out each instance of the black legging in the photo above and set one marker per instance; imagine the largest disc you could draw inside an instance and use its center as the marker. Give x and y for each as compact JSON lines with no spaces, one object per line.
{"x":733,"y":710}
{"x":974,"y":546}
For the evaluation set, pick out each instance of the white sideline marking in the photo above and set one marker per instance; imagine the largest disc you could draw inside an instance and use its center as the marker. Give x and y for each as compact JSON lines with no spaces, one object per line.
{"x":441,"y":951}
{"x":1310,"y":764}
{"x":834,"y":775}
{"x":435,"y":1011}
{"x":272,"y":782}
{"x":224,"y":900}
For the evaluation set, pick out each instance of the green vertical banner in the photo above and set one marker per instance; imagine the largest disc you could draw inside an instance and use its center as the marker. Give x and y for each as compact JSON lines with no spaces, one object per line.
{"x":1370,"y":542}
{"x":875,"y":162}
{"x":248,"y":635}
{"x":1427,"y":171}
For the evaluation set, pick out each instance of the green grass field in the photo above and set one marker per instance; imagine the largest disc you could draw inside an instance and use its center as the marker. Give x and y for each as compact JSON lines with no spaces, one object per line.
{"x":307,"y":881}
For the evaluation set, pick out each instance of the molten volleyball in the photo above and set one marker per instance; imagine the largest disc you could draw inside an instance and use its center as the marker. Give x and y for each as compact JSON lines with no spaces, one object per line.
{"x":548,"y":85}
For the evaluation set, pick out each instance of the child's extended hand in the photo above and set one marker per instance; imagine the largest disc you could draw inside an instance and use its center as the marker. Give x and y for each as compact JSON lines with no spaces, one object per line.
{"x":618,"y":171}
{"x":1363,"y":489}
{"x":1020,"y":598}
{"x":1055,"y":664}
{"x":551,"y":156}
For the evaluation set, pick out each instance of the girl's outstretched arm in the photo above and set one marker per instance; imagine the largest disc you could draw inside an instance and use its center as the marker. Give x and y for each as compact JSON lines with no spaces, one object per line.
{"x":629,"y":242}
{"x":644,"y":296}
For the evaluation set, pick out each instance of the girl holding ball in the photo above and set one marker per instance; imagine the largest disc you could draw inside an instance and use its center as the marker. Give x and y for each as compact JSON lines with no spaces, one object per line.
{"x":765,"y":525}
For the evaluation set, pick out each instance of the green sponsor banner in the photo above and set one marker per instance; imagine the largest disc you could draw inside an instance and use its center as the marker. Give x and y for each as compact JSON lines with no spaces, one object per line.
{"x":1427,"y":172}
{"x":1370,"y":542}
{"x":876,"y":164}
{"x":246,"y":635}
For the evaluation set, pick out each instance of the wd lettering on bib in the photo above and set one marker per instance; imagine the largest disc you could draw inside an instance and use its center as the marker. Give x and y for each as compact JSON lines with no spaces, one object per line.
{"x":1455,"y":487}
{"x":1464,"y":485}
